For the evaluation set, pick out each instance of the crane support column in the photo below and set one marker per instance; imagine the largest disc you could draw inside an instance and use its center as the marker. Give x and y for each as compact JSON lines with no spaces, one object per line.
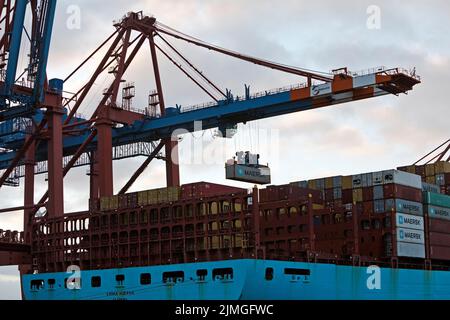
{"x":104,"y":154}
{"x":55,"y":206}
{"x":29,"y":163}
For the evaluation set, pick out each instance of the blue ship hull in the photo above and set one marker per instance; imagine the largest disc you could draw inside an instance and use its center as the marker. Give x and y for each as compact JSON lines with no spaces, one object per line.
{"x":246,"y":279}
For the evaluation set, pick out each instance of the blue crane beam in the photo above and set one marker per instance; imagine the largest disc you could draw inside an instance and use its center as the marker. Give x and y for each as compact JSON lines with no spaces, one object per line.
{"x":14,"y":48}
{"x":229,"y":112}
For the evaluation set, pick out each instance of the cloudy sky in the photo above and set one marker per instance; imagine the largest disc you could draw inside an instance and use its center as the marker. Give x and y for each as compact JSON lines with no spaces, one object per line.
{"x":363,"y":136}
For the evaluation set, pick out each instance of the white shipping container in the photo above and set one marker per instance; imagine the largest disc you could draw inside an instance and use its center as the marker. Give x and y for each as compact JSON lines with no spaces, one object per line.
{"x":413,"y":250}
{"x":377,"y":178}
{"x":440,"y":179}
{"x":404,"y":206}
{"x":357,"y":181}
{"x":409,"y":221}
{"x":366,"y":179}
{"x":428,"y":187}
{"x":403,"y":178}
{"x":411,"y":236}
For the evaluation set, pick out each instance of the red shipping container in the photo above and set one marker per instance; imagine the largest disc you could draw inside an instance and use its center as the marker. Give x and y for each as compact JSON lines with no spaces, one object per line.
{"x":303,"y":193}
{"x":420,"y":170}
{"x":439,"y":239}
{"x":263,"y":197}
{"x":347,"y":196}
{"x":368,"y":207}
{"x":207,"y":189}
{"x":367,"y":193}
{"x":186,"y":191}
{"x":440,"y":253}
{"x":402,"y":192}
{"x":329,"y":195}
{"x":439,"y":225}
{"x":283,"y":192}
{"x":272,"y":193}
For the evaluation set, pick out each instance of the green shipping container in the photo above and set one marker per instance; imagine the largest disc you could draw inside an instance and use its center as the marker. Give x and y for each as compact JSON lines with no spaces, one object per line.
{"x":436,"y":199}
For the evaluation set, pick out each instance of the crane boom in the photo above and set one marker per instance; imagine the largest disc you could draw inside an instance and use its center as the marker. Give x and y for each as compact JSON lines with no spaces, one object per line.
{"x":342,"y":89}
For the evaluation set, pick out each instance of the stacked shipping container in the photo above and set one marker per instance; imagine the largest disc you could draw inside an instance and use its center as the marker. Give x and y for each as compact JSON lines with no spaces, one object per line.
{"x":437,"y":173}
{"x":382,"y":199}
{"x":437,"y":209}
{"x":364,"y":217}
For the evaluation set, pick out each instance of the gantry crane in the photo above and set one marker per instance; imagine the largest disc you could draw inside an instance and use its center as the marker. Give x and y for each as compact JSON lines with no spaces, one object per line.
{"x":41,"y":131}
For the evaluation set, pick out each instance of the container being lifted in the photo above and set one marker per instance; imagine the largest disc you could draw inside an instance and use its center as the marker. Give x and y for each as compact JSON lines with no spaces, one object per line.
{"x":245,"y":167}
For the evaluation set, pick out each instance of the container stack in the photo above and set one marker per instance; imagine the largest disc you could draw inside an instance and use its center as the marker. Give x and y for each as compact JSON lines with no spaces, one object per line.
{"x":437,"y":173}
{"x":141,"y":198}
{"x":437,"y":208}
{"x":389,"y":204}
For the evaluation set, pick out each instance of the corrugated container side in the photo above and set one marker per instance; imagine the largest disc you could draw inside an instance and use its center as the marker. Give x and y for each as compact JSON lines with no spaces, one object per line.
{"x":356,"y":181}
{"x":378,"y":192}
{"x":402,"y":178}
{"x":104,"y":203}
{"x":429,"y":170}
{"x":439,"y":239}
{"x":440,"y":253}
{"x":357,"y":195}
{"x":442,"y":167}
{"x":337,"y":193}
{"x":367,"y":180}
{"x":123,"y":201}
{"x":368,"y":207}
{"x":402,"y":192}
{"x":132,"y":200}
{"x":414,"y":250}
{"x":379,"y":206}
{"x":152,"y":196}
{"x":438,"y":225}
{"x":320,"y":184}
{"x":337,"y":181}
{"x":114,"y":202}
{"x":329,"y":183}
{"x":162,"y":195}
{"x":377,"y":178}
{"x":411,"y":169}
{"x":347,"y":182}
{"x":420,"y":170}
{"x":429,"y":187}
{"x":430,"y":180}
{"x":440,"y":179}
{"x":436,"y":199}
{"x":142,"y":198}
{"x":367,"y":193}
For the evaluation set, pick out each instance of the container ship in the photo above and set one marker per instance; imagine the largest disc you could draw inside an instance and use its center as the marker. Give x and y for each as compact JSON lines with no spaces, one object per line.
{"x":379,"y":235}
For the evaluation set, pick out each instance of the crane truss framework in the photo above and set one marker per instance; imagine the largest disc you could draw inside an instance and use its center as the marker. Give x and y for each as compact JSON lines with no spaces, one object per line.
{"x":59,"y":141}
